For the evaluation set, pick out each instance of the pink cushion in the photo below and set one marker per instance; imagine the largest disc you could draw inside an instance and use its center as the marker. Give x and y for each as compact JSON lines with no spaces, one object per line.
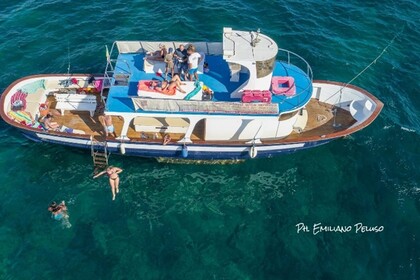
{"x":249,"y":96}
{"x":283,"y":85}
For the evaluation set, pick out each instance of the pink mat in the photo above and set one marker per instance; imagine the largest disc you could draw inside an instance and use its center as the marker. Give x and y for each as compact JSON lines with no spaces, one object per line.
{"x":283,"y":85}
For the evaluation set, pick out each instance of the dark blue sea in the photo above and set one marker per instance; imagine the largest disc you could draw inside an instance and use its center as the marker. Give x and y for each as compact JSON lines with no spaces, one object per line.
{"x":176,"y":221}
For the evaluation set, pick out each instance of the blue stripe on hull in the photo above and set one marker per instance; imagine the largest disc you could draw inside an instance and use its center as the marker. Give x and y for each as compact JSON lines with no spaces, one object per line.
{"x":194,"y":155}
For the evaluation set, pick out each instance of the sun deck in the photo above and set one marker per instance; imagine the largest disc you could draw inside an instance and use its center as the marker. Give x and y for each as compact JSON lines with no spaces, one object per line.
{"x":218,"y":79}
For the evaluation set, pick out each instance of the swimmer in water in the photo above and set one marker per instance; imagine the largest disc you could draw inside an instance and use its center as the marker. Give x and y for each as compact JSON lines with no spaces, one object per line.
{"x":114,"y":179}
{"x":58,"y":211}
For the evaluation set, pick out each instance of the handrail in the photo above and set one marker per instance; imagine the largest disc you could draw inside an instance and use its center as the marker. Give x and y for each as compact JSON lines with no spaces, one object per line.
{"x":309,"y":75}
{"x":110,"y":68}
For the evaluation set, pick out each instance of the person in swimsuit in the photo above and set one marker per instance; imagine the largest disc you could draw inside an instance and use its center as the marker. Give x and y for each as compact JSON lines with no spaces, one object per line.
{"x":194,"y":59}
{"x":159,"y":54}
{"x":114,"y":179}
{"x":106,"y":122}
{"x":58,"y":211}
{"x":166,"y":139}
{"x":174,"y":83}
{"x":49,"y":124}
{"x":44,"y":109}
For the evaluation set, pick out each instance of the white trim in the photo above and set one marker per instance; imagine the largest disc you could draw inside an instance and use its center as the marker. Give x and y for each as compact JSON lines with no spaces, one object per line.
{"x":139,"y":146}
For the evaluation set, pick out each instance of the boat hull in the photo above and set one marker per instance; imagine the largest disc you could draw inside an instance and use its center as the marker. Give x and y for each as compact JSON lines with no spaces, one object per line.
{"x":175,"y":151}
{"x":362,"y":106}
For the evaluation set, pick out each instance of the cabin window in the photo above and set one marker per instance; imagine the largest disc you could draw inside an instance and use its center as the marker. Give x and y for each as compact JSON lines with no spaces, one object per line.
{"x":265,"y":67}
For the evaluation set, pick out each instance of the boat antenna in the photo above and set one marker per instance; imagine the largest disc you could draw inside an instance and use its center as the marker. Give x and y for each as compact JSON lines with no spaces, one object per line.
{"x":68,"y":58}
{"x":67,"y":82}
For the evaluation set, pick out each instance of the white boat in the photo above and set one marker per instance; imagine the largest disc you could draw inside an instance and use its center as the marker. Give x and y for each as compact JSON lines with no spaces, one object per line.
{"x":254,"y":100}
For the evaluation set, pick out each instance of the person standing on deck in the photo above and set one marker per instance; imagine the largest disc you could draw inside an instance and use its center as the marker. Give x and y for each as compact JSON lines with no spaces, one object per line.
{"x":194,"y":59}
{"x":107,"y":124}
{"x":169,"y":61}
{"x":181,"y":64}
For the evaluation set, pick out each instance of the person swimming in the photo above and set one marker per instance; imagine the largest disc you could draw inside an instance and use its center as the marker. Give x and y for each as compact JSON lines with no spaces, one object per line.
{"x":58,"y":211}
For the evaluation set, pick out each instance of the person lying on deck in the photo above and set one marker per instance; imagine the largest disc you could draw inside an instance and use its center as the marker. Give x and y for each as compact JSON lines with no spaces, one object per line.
{"x":157,"y":55}
{"x":174,"y":84}
{"x":49,"y":124}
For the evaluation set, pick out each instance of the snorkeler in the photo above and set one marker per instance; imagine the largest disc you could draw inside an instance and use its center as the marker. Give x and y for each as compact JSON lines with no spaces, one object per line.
{"x":114,"y":179}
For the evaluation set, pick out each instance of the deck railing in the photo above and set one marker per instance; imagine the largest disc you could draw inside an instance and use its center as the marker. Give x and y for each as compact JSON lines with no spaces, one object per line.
{"x":298,"y":99}
{"x":112,"y":74}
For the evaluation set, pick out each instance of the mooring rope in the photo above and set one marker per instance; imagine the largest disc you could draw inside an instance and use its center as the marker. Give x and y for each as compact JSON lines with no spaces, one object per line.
{"x":368,"y":66}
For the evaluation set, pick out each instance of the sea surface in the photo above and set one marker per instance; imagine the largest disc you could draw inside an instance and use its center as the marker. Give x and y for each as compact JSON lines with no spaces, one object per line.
{"x":177,"y":221}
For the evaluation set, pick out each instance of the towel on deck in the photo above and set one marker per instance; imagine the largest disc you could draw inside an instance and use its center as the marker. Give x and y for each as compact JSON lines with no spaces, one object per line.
{"x":144,"y":90}
{"x":150,"y":85}
{"x":24,"y":118}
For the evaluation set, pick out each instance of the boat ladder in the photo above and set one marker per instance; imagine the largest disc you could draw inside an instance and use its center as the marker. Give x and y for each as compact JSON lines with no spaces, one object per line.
{"x":99,"y":151}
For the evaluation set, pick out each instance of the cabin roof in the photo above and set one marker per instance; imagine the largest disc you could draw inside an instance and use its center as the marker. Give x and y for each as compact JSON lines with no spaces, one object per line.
{"x":247,"y":46}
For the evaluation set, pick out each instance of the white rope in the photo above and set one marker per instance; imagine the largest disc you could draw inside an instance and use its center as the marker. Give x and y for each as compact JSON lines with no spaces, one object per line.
{"x":367,"y":67}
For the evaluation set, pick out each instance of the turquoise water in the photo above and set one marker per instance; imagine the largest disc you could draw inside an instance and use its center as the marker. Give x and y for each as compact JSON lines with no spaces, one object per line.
{"x":229,"y":221}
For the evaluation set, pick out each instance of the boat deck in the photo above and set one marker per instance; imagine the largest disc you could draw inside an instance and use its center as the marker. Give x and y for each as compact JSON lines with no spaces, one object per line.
{"x":218,"y":79}
{"x":320,"y":122}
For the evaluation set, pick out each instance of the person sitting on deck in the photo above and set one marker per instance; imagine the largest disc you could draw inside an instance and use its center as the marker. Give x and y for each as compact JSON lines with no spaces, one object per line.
{"x":206,"y":68}
{"x":49,"y":124}
{"x":166,"y":139}
{"x":44,"y":109}
{"x":159,"y":54}
{"x":107,"y":124}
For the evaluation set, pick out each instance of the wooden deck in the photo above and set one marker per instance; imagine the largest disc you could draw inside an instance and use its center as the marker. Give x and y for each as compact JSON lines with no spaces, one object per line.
{"x":82,"y":120}
{"x":320,"y":122}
